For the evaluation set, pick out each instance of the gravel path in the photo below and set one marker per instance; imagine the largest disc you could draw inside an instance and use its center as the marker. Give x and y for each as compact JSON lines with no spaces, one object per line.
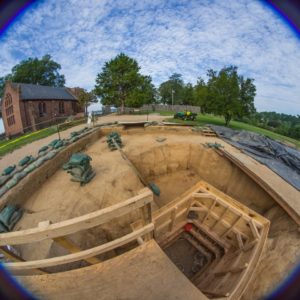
{"x":32,"y":148}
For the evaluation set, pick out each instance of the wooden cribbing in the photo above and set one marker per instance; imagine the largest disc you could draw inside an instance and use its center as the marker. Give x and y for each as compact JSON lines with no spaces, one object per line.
{"x":76,"y":224}
{"x":84,"y":254}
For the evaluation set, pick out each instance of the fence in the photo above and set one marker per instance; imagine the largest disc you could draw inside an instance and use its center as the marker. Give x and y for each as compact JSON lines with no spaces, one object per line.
{"x":160,"y":107}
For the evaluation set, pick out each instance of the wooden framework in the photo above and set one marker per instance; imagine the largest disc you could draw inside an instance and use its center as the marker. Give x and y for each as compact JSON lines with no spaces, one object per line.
{"x":58,"y":232}
{"x":234,"y":228}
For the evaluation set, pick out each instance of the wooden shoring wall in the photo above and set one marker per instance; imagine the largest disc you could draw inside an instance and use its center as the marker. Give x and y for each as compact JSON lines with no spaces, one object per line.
{"x":58,"y":232}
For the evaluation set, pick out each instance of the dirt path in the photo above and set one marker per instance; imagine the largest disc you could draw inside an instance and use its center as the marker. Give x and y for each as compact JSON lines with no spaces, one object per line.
{"x":32,"y":148}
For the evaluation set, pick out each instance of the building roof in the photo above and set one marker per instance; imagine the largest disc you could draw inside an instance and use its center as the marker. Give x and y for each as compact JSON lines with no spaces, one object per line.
{"x":42,"y":92}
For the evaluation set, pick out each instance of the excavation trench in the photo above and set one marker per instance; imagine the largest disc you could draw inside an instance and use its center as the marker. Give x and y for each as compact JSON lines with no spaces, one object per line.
{"x":175,"y":166}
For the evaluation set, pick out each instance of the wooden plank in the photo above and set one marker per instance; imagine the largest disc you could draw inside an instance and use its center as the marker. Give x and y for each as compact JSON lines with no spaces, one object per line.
{"x":286,"y":197}
{"x":173,"y":218}
{"x":146,"y":219}
{"x":231,"y":270}
{"x":72,"y":248}
{"x":232,"y":226}
{"x":225,"y":203}
{"x":16,"y":258}
{"x":254,"y":229}
{"x":209,"y":210}
{"x":60,"y":260}
{"x":9,"y":254}
{"x":221,"y":217}
{"x":76,"y":224}
{"x":239,"y":240}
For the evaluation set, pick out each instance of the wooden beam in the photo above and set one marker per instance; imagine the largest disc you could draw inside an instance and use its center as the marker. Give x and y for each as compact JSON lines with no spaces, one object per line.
{"x":231,"y":270}
{"x":215,"y":294}
{"x":232,"y":226}
{"x":254,"y":229}
{"x":239,"y":240}
{"x":198,"y":209}
{"x":60,"y":260}
{"x":173,"y":218}
{"x":76,"y":224}
{"x":146,"y":215}
{"x":16,"y":258}
{"x":9,"y":254}
{"x":221,"y":217}
{"x":72,"y":248}
{"x":209,"y":210}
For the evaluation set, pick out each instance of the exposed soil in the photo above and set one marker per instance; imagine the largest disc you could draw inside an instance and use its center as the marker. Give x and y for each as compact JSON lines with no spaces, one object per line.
{"x":174,"y":165}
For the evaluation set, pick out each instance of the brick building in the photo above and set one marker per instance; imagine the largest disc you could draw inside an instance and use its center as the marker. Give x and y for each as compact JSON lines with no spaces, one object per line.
{"x":27,"y":107}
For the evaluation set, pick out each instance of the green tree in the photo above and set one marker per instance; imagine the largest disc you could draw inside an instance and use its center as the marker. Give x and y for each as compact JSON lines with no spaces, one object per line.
{"x":229,"y":95}
{"x":247,"y":94}
{"x":145,"y":93}
{"x":173,"y":85}
{"x":201,"y":95}
{"x":188,"y":97}
{"x":121,"y":84}
{"x":44,"y":71}
{"x":84,"y":97}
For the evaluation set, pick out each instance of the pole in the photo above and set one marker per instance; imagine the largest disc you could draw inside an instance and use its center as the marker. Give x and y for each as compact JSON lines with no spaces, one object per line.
{"x":58,"y":131}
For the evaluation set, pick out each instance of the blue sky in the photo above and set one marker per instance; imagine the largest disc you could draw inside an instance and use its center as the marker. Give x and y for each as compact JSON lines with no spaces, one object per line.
{"x":186,"y":37}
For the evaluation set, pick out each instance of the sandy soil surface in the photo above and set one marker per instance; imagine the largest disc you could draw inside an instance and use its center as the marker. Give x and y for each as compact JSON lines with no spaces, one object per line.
{"x":171,"y":169}
{"x":32,"y":148}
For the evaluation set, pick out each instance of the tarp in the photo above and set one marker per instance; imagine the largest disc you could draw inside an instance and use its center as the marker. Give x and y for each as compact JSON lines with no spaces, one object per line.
{"x":280,"y":158}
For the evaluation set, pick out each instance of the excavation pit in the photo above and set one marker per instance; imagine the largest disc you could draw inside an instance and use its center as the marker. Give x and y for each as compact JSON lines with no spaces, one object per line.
{"x":181,"y":165}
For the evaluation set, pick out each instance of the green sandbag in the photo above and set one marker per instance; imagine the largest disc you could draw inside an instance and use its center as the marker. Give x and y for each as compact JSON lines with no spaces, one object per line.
{"x":50,"y":155}
{"x":3,"y":190}
{"x":30,"y":168}
{"x":9,"y":216}
{"x":44,"y":148}
{"x":26,"y":160}
{"x":154,"y":188}
{"x":3,"y":179}
{"x":58,"y":144}
{"x":51,"y":144}
{"x":73,"y":134}
{"x":8,"y":170}
{"x":12,"y":182}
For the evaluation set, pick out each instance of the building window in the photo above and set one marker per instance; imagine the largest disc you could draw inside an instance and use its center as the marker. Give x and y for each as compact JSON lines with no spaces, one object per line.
{"x":61,"y":107}
{"x":11,"y":120}
{"x":42,"y":109}
{"x":9,"y":110}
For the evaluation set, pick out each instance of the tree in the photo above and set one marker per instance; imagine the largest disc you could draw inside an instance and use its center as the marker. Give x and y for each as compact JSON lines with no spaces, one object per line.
{"x":188,"y":94}
{"x":84,"y":97}
{"x":229,"y":95}
{"x":121,"y":84}
{"x":173,"y":85}
{"x":201,"y":95}
{"x":247,"y":94}
{"x":44,"y":71}
{"x":145,"y":93}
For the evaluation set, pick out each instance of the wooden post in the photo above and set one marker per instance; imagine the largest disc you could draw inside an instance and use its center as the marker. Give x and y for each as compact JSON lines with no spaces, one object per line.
{"x":146,"y":215}
{"x":173,"y":218}
{"x":254,"y":229}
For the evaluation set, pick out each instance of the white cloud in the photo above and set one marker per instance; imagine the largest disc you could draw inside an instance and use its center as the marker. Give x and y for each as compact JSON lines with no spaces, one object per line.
{"x":165,"y":37}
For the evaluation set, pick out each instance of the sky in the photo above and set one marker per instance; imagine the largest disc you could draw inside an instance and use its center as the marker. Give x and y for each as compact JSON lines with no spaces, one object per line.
{"x":187,"y":37}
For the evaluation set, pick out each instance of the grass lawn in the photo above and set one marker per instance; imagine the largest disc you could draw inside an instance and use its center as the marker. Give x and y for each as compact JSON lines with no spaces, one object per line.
{"x":7,"y":146}
{"x":214,"y":120}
